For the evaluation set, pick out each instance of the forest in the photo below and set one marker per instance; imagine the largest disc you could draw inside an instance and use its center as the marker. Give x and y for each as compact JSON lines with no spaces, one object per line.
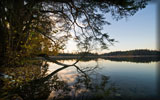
{"x":137,"y":52}
{"x":140,"y":52}
{"x":32,"y":27}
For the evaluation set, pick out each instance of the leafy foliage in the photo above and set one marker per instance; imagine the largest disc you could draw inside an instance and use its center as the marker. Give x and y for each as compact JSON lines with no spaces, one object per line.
{"x":27,"y":26}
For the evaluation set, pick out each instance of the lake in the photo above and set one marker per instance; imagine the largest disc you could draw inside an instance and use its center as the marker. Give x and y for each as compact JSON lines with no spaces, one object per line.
{"x":98,"y":79}
{"x":132,"y":80}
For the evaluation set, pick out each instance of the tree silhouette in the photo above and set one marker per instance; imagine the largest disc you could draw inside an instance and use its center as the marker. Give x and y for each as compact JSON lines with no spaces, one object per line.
{"x":56,"y":20}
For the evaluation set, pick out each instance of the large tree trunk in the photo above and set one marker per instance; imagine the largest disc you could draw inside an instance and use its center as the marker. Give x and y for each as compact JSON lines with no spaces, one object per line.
{"x":3,"y":44}
{"x":11,"y":13}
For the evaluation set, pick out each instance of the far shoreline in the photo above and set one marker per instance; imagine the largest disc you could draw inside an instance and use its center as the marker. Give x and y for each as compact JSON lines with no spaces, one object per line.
{"x":99,"y":56}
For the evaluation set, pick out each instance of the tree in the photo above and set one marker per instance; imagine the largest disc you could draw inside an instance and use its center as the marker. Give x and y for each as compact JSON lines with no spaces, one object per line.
{"x":56,"y":20}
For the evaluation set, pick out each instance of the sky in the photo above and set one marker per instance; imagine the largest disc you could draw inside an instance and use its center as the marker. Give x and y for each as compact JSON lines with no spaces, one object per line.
{"x":135,"y":32}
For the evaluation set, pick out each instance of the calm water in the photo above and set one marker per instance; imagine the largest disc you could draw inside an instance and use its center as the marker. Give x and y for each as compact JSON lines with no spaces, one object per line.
{"x":131,"y":79}
{"x":89,"y":80}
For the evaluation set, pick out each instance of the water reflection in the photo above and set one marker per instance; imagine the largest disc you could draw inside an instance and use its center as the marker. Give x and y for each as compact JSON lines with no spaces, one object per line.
{"x":35,"y":83}
{"x":134,"y":80}
{"x":19,"y":83}
{"x":135,"y":59}
{"x":96,"y":79}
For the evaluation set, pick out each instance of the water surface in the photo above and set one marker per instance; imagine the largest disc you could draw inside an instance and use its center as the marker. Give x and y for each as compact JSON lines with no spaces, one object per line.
{"x":132,"y":79}
{"x":98,"y":79}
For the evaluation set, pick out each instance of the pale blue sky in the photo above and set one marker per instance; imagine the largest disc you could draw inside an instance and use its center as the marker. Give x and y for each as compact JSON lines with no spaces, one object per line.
{"x":135,"y":32}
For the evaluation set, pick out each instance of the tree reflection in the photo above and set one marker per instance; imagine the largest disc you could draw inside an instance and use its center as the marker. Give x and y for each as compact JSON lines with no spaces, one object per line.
{"x":34,"y":83}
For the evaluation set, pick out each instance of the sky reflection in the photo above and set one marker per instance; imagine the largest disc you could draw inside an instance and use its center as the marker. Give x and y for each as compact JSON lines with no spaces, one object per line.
{"x":136,"y":79}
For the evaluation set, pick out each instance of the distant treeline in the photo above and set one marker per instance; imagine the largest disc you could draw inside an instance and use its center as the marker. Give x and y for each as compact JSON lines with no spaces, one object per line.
{"x":140,"y":52}
{"x":78,"y":54}
{"x":138,"y":56}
